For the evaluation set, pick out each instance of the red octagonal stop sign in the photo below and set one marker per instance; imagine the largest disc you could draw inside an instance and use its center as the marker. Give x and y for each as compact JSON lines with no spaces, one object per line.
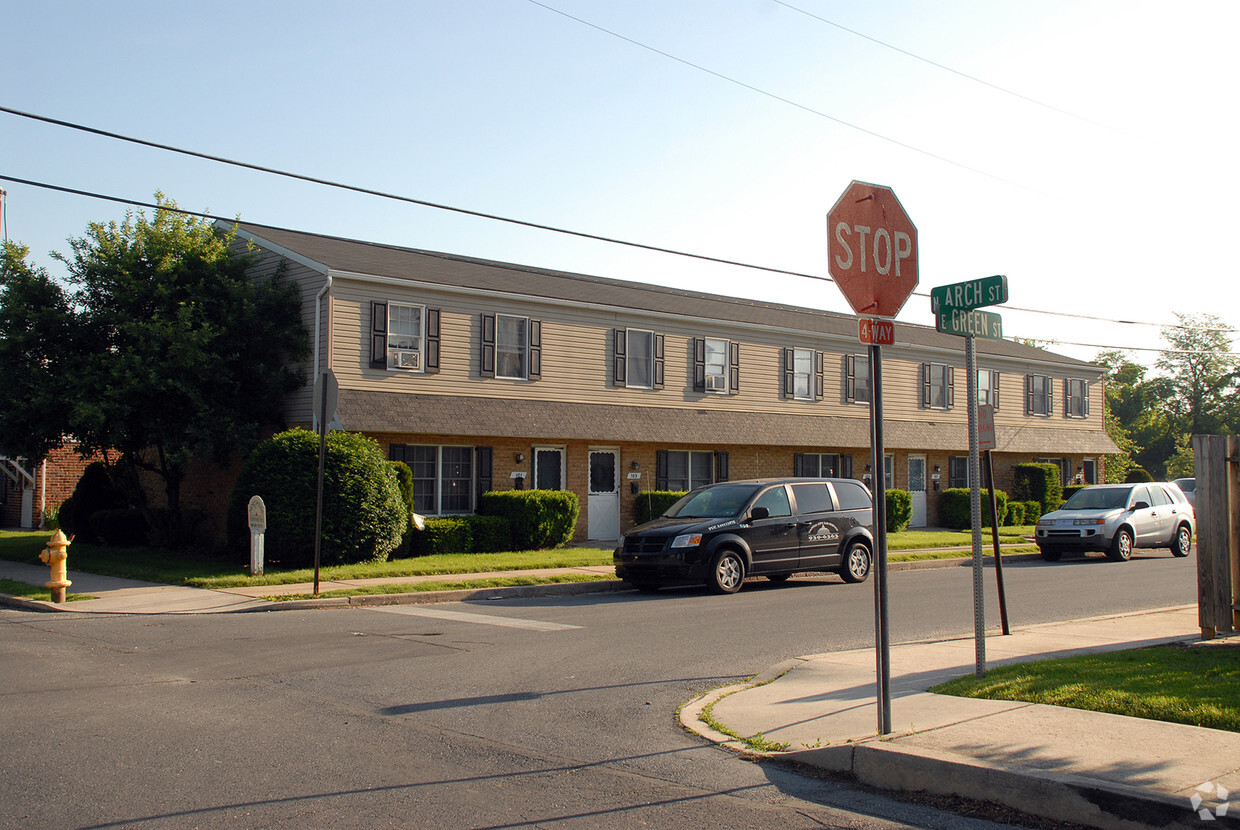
{"x":872,"y":249}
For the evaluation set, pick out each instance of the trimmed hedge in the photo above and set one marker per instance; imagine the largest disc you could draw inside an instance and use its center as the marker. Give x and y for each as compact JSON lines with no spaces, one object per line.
{"x":1040,"y":483}
{"x":899,"y":510}
{"x":1033,"y":511}
{"x":956,"y":512}
{"x":1138,"y":475}
{"x":654,"y":503}
{"x":1015,"y":514}
{"x":461,"y":534}
{"x":364,"y":516}
{"x":538,"y":519}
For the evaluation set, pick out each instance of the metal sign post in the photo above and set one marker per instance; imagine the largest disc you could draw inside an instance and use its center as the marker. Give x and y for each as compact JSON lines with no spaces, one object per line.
{"x":975,"y":509}
{"x":872,"y":254}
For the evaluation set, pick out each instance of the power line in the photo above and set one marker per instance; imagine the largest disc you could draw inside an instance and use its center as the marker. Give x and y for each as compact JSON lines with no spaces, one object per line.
{"x":740,"y":301}
{"x":944,"y":67}
{"x":781,"y":99}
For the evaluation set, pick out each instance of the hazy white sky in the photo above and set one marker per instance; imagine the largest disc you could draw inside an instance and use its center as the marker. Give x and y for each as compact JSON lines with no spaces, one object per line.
{"x":721,"y":127}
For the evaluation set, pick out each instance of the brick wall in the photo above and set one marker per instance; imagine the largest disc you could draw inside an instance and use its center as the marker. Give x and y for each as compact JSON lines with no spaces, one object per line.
{"x":63,"y":469}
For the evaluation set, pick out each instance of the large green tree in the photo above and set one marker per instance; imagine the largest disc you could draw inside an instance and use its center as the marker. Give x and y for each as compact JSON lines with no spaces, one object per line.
{"x":1199,"y":373}
{"x":180,"y":351}
{"x":35,"y":328}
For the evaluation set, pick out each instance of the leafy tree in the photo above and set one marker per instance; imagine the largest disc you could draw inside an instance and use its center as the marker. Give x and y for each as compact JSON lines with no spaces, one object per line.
{"x":179,"y":352}
{"x":1200,"y":374}
{"x":1123,"y":408}
{"x":35,"y":326}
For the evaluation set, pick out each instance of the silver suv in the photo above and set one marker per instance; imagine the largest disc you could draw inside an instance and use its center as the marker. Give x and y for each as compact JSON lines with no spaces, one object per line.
{"x":1116,"y":518}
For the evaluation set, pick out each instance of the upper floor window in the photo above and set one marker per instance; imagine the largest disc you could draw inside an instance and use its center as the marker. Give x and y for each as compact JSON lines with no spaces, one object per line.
{"x":1038,"y":395}
{"x":938,"y":386}
{"x":639,"y":359}
{"x":857,"y":378}
{"x":802,"y":374}
{"x":404,"y":336}
{"x":511,"y":347}
{"x":988,"y":387}
{"x":1076,"y":398}
{"x":716,"y":365}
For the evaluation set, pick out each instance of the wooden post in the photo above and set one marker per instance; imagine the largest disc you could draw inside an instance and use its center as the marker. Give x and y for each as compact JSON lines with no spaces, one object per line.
{"x":1218,"y":532}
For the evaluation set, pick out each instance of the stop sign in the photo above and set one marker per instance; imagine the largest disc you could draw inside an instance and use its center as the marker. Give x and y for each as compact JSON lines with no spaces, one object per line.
{"x":872,"y":249}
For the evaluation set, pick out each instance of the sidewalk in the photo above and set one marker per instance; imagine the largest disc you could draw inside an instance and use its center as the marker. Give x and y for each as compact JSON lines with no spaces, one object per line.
{"x":1095,"y":769}
{"x":1088,"y":768}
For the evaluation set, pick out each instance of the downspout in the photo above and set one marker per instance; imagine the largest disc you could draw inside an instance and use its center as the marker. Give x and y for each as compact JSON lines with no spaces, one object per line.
{"x":318,"y":320}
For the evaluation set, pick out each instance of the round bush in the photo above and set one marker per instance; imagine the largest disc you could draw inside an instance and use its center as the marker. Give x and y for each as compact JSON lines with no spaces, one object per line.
{"x":899,"y":510}
{"x":364,"y":515}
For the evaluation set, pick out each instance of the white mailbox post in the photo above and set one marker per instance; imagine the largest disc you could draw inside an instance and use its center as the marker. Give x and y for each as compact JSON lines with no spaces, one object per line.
{"x":258,"y":526}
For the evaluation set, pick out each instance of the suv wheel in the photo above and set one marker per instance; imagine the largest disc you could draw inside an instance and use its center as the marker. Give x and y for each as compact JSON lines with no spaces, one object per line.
{"x":727,"y":572}
{"x":1182,"y":542}
{"x":857,"y":560}
{"x":1121,"y":546}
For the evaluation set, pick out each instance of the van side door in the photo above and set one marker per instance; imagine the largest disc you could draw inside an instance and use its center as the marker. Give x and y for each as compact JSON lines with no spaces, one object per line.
{"x":773,"y":540}
{"x":818,"y":526}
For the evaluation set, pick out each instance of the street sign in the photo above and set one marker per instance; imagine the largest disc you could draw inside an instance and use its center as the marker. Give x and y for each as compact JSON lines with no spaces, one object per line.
{"x":968,"y":295}
{"x":872,"y":249}
{"x":876,"y":332}
{"x":984,"y":324}
{"x":985,"y":427}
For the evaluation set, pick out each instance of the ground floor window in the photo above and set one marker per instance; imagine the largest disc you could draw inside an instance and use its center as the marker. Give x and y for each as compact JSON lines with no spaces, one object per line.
{"x":548,"y":468}
{"x":688,"y":469}
{"x":958,"y":471}
{"x":443,"y":477}
{"x":822,"y":464}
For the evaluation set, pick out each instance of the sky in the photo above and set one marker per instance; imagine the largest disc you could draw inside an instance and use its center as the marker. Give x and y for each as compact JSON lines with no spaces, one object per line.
{"x":1084,"y":149}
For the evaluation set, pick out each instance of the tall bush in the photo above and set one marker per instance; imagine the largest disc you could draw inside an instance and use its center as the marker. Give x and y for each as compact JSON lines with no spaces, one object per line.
{"x":899,"y":510}
{"x":364,"y":515}
{"x":94,"y":492}
{"x":654,"y":503}
{"x":539,"y":519}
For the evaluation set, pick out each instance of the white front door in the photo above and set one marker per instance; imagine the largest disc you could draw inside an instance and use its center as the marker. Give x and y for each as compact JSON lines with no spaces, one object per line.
{"x":917,"y":489}
{"x":603,"y":498}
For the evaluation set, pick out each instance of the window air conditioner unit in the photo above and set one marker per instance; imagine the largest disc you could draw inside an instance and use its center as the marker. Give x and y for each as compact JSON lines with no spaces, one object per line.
{"x":403,"y":359}
{"x":716,"y":383}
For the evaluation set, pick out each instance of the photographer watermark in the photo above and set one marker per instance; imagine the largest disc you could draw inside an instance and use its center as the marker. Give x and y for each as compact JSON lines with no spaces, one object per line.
{"x":1208,"y":794}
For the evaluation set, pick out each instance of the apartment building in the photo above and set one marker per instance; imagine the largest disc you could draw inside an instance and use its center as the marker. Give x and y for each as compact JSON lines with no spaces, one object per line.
{"x":487,"y":375}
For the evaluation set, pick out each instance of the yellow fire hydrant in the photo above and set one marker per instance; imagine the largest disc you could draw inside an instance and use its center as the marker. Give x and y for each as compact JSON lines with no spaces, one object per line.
{"x":56,"y":555}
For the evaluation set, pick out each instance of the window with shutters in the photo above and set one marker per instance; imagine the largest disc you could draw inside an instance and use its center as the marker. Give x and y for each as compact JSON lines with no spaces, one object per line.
{"x":404,"y":336}
{"x":937,"y":386}
{"x":716,"y":366}
{"x":857,"y":378}
{"x":443,"y":476}
{"x":689,"y":469}
{"x":1038,"y":396}
{"x":1076,"y":398}
{"x":824,"y":465}
{"x":511,"y":347}
{"x":802,"y":371}
{"x":638,"y":359}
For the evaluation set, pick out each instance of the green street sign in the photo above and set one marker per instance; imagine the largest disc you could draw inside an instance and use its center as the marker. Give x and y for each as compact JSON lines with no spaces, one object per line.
{"x":984,"y":324}
{"x":966,"y":296}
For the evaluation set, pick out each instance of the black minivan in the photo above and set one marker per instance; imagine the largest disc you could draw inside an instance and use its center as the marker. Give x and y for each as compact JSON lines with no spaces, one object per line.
{"x":722,"y":533}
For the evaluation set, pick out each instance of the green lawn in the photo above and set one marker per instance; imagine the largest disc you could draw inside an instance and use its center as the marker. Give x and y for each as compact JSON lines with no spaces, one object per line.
{"x":153,"y":565}
{"x":1197,"y":685}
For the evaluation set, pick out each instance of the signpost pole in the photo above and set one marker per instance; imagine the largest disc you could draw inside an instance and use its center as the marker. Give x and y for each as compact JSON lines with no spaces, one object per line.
{"x":878,"y":485}
{"x":975,"y":506}
{"x":994,"y":536}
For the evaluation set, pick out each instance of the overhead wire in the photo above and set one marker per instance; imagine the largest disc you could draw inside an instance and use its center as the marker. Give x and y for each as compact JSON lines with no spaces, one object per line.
{"x":465,"y":211}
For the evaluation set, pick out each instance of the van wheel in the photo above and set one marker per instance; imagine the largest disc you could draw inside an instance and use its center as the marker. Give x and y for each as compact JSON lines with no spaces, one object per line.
{"x":1121,"y":546}
{"x":1182,"y":542}
{"x":727,"y":572}
{"x":857,"y":561}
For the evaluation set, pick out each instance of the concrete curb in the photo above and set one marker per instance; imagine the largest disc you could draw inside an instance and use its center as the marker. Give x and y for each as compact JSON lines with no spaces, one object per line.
{"x":1059,"y":796}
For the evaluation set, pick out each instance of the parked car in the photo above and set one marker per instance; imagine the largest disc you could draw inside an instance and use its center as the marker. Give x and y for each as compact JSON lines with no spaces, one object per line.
{"x":719,"y":534}
{"x":1116,"y":518}
{"x":1188,"y":486}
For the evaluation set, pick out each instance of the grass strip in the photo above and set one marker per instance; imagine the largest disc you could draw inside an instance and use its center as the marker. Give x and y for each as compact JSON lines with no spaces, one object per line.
{"x":1198,"y":684}
{"x":26,"y":591}
{"x":418,"y":587}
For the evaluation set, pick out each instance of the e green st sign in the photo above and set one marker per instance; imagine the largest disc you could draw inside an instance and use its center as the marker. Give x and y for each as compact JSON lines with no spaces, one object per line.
{"x":968,"y":295}
{"x":984,"y":324}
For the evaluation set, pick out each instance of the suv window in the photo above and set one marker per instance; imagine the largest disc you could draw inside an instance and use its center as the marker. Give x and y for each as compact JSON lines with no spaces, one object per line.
{"x":812,"y":498}
{"x":852,"y":496}
{"x":1159,"y":496}
{"x":1141,"y":493}
{"x":776,"y":501}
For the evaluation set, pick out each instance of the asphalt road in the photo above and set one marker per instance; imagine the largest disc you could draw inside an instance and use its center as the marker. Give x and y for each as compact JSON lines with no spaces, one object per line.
{"x":553,"y":712}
